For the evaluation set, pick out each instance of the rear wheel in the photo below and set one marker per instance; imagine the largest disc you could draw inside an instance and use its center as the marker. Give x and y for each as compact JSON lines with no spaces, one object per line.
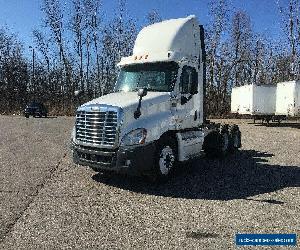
{"x":216,"y":143}
{"x":234,"y":138}
{"x":224,"y":143}
{"x":210,"y":144}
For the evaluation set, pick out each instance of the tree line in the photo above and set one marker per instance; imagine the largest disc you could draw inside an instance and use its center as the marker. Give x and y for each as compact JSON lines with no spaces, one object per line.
{"x":77,"y":47}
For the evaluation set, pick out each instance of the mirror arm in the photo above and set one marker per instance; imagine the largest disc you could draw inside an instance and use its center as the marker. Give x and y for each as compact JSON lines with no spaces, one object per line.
{"x":184,"y":99}
{"x":138,"y":113}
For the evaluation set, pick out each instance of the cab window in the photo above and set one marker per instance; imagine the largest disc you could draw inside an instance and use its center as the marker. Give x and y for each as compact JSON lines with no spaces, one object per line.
{"x":188,"y":80}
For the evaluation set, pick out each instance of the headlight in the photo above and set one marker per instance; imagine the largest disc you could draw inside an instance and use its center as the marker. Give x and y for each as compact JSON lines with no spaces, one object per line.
{"x":135,"y":137}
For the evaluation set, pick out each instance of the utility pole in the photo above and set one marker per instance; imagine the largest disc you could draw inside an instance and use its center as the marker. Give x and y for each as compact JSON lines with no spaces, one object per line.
{"x":33,"y":72}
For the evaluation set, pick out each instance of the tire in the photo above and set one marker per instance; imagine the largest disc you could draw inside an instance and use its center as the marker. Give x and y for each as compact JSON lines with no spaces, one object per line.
{"x":166,"y":159}
{"x":210,"y":144}
{"x":224,"y":141}
{"x":27,"y":116}
{"x":75,"y":157}
{"x":216,"y":143}
{"x":234,"y":138}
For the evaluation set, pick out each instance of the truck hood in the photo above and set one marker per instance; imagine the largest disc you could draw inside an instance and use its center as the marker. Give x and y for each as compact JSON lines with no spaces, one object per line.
{"x":128,"y":100}
{"x":155,"y":109}
{"x":156,"y":112}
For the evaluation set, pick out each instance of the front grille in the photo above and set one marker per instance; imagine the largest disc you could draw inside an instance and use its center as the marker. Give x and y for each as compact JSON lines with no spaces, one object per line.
{"x":97,"y":127}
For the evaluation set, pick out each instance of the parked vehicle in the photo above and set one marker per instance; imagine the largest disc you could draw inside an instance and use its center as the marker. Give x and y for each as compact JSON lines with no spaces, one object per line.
{"x":259,"y":101}
{"x":156,"y":116}
{"x":35,"y":109}
{"x":267,"y":102}
{"x":288,"y":98}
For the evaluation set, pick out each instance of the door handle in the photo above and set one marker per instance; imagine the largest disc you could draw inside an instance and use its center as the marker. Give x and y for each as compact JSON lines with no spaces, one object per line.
{"x":195,"y":115}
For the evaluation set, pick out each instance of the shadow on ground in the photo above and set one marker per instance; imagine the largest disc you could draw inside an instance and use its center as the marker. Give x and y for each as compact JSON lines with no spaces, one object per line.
{"x":283,"y":124}
{"x":48,"y":117}
{"x":239,"y":176}
{"x":280,"y":125}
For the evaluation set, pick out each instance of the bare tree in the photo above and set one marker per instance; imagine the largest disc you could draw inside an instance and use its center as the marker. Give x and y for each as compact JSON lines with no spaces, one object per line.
{"x":219,"y":11}
{"x":54,"y":19}
{"x":242,"y":40}
{"x":118,"y":40}
{"x":13,"y":73}
{"x":153,"y":17}
{"x":77,"y":27}
{"x":290,"y":14}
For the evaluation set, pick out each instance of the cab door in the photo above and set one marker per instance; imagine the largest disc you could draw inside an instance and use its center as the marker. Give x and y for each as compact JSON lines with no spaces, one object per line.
{"x":187,"y":112}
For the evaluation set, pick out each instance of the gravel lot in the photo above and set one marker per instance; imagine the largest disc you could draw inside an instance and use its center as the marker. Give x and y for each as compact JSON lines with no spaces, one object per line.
{"x":46,"y":202}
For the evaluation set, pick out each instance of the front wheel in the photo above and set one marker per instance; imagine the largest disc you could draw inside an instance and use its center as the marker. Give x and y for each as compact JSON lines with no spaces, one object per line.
{"x":166,"y":157}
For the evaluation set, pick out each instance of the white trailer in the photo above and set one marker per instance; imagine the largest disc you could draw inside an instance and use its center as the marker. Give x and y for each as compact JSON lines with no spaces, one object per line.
{"x":255,"y":100}
{"x":156,"y":115}
{"x":288,"y":98}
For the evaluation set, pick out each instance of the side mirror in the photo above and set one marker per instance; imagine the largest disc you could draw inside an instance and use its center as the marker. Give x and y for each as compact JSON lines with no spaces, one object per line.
{"x":142,"y":92}
{"x":183,"y":100}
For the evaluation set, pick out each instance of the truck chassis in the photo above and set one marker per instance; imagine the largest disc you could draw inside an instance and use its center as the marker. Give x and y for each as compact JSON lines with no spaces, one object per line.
{"x":157,"y":159}
{"x":268,"y":118}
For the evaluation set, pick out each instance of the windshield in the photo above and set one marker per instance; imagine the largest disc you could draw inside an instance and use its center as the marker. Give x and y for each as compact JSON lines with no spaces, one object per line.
{"x":153,"y":76}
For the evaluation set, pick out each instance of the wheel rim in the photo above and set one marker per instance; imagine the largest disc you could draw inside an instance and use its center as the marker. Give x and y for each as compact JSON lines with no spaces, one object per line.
{"x":166,"y":160}
{"x":225,"y":142}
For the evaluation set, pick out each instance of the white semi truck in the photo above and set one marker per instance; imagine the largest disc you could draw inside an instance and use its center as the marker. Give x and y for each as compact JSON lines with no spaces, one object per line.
{"x":155,"y":117}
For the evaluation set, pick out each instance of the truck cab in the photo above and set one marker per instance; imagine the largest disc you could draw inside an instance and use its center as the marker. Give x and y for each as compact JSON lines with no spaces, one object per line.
{"x":155,"y":117}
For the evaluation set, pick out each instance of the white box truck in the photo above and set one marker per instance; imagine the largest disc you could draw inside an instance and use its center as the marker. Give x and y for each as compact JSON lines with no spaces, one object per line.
{"x":155,"y":117}
{"x":288,"y":98}
{"x":259,"y":101}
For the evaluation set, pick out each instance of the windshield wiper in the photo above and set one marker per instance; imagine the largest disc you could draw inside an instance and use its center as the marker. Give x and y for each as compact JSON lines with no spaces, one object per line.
{"x":154,"y":90}
{"x":148,"y":89}
{"x":137,"y":88}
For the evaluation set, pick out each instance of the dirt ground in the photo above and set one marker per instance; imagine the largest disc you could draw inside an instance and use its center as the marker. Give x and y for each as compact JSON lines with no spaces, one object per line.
{"x":47,"y":202}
